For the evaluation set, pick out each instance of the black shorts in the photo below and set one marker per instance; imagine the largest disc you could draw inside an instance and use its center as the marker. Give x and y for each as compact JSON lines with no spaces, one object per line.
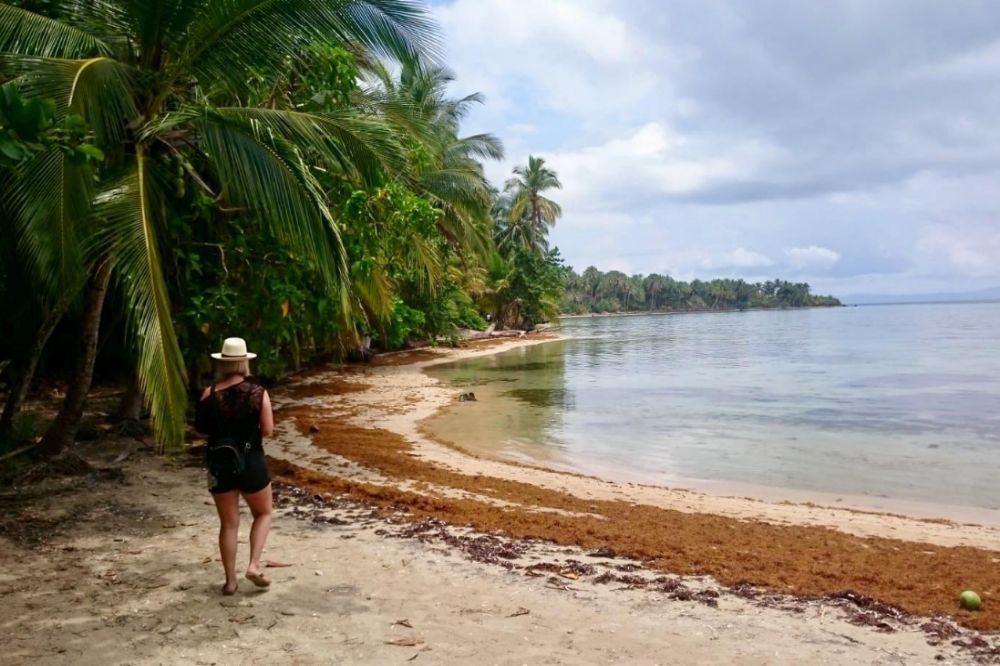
{"x":254,"y":478}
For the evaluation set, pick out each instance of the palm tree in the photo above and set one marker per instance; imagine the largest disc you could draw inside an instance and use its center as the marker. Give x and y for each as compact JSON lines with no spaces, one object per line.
{"x":592,"y":280}
{"x":655,"y":285}
{"x":445,"y":166}
{"x":495,"y":296}
{"x":634,"y":294}
{"x":26,"y":128}
{"x":530,"y":213}
{"x":613,"y":286}
{"x":165,"y":83}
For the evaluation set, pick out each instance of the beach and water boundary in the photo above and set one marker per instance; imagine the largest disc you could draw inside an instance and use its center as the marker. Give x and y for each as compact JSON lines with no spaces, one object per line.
{"x":806,"y":548}
{"x":652,"y":577}
{"x":755,"y":403}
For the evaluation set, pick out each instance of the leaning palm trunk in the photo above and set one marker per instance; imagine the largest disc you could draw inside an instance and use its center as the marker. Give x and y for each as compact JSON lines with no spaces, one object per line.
{"x":26,"y":373}
{"x":63,"y":430}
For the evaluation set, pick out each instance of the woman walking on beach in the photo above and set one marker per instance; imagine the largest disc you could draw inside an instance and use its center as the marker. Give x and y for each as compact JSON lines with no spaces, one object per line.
{"x":235,"y":414}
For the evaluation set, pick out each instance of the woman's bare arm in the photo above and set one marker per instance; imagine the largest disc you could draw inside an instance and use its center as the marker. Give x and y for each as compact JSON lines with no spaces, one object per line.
{"x":266,"y":416}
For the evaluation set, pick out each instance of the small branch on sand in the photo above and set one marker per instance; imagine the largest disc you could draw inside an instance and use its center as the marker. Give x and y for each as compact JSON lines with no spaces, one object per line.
{"x":17,"y":452}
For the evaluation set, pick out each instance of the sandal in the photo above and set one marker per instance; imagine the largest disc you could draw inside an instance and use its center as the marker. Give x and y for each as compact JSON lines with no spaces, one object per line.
{"x":258,"y":579}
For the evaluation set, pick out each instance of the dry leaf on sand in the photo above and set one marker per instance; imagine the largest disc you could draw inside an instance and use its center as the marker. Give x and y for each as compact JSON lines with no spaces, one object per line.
{"x":409,"y":641}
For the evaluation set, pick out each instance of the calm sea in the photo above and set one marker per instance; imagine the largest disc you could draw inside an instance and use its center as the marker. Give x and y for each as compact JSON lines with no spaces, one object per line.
{"x":881,"y":401}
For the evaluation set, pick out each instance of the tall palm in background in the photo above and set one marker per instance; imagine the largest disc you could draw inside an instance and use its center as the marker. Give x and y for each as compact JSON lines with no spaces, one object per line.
{"x":164,"y":84}
{"x":530,"y":213}
{"x":442,"y":168}
{"x":447,"y":167}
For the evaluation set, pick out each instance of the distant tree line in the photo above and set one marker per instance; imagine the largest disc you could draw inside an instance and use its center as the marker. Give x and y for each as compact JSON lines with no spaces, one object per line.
{"x":614,"y":291}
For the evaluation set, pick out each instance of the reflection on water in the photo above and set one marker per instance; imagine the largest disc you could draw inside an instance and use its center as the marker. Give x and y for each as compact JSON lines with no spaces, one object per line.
{"x":543,"y":397}
{"x":511,"y":422}
{"x":897,"y":401}
{"x":554,"y":364}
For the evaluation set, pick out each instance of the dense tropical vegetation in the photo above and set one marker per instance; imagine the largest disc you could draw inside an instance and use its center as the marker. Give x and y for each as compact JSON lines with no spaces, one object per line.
{"x":293,"y":171}
{"x":614,"y":291}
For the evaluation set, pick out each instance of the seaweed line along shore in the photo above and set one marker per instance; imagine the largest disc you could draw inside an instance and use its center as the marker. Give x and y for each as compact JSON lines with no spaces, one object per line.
{"x":360,"y":433}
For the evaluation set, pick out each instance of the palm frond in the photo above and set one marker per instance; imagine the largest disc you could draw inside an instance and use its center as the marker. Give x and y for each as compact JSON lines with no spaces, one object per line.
{"x":26,"y":33}
{"x":549,"y":211}
{"x":47,"y":203}
{"x":520,"y":205}
{"x":513,"y":185}
{"x":263,"y":170}
{"x":361,"y":146}
{"x":114,"y":21}
{"x":158,"y":29}
{"x":401,"y":114}
{"x":463,"y":196}
{"x":483,"y":146}
{"x":374,"y":288}
{"x":98,"y":89}
{"x":225,"y":41}
{"x":425,"y":258}
{"x":457,"y":183}
{"x":128,"y":239}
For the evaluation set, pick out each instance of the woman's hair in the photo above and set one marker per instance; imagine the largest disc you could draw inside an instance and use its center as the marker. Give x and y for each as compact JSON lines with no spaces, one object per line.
{"x":231,"y":366}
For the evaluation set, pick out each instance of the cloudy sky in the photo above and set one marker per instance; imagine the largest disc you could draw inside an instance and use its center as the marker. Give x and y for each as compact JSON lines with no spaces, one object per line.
{"x":854,"y":144}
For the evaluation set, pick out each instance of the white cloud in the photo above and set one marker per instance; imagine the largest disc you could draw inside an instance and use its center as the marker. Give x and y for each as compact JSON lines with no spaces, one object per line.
{"x":812,"y":257}
{"x":983,"y":61}
{"x":649,"y":163}
{"x":739,"y":258}
{"x":578,"y":57}
{"x":971,"y":250}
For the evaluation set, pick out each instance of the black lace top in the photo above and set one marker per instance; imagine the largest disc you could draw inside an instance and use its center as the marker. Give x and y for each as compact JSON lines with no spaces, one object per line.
{"x":232,"y":411}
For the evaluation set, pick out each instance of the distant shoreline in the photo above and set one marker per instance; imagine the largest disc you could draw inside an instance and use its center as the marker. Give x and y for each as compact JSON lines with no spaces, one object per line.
{"x":640,"y":313}
{"x":844,"y":304}
{"x":979,"y":301}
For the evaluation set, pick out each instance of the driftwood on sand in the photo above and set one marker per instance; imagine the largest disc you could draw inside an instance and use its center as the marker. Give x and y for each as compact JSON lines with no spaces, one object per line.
{"x":491,"y":332}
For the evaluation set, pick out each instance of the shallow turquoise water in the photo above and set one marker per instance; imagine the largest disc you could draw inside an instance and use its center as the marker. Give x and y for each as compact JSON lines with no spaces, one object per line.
{"x":885,"y":401}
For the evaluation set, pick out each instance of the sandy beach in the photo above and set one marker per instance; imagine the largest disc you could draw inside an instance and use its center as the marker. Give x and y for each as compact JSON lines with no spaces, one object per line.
{"x":403,"y":549}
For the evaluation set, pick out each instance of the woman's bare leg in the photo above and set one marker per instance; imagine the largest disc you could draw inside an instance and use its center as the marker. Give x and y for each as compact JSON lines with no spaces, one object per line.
{"x":260,"y":506}
{"x":228,"y":506}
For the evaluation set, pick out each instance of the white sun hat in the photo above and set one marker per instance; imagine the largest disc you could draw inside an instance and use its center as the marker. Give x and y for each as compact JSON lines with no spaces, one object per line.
{"x":233,"y":349}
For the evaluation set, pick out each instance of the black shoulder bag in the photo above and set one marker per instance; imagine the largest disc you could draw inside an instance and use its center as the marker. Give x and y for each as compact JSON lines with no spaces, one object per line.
{"x":226,"y":456}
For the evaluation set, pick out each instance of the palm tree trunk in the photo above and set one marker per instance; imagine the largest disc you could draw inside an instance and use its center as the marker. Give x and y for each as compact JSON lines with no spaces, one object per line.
{"x":63,"y":430}
{"x":26,"y":373}
{"x":130,"y":406}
